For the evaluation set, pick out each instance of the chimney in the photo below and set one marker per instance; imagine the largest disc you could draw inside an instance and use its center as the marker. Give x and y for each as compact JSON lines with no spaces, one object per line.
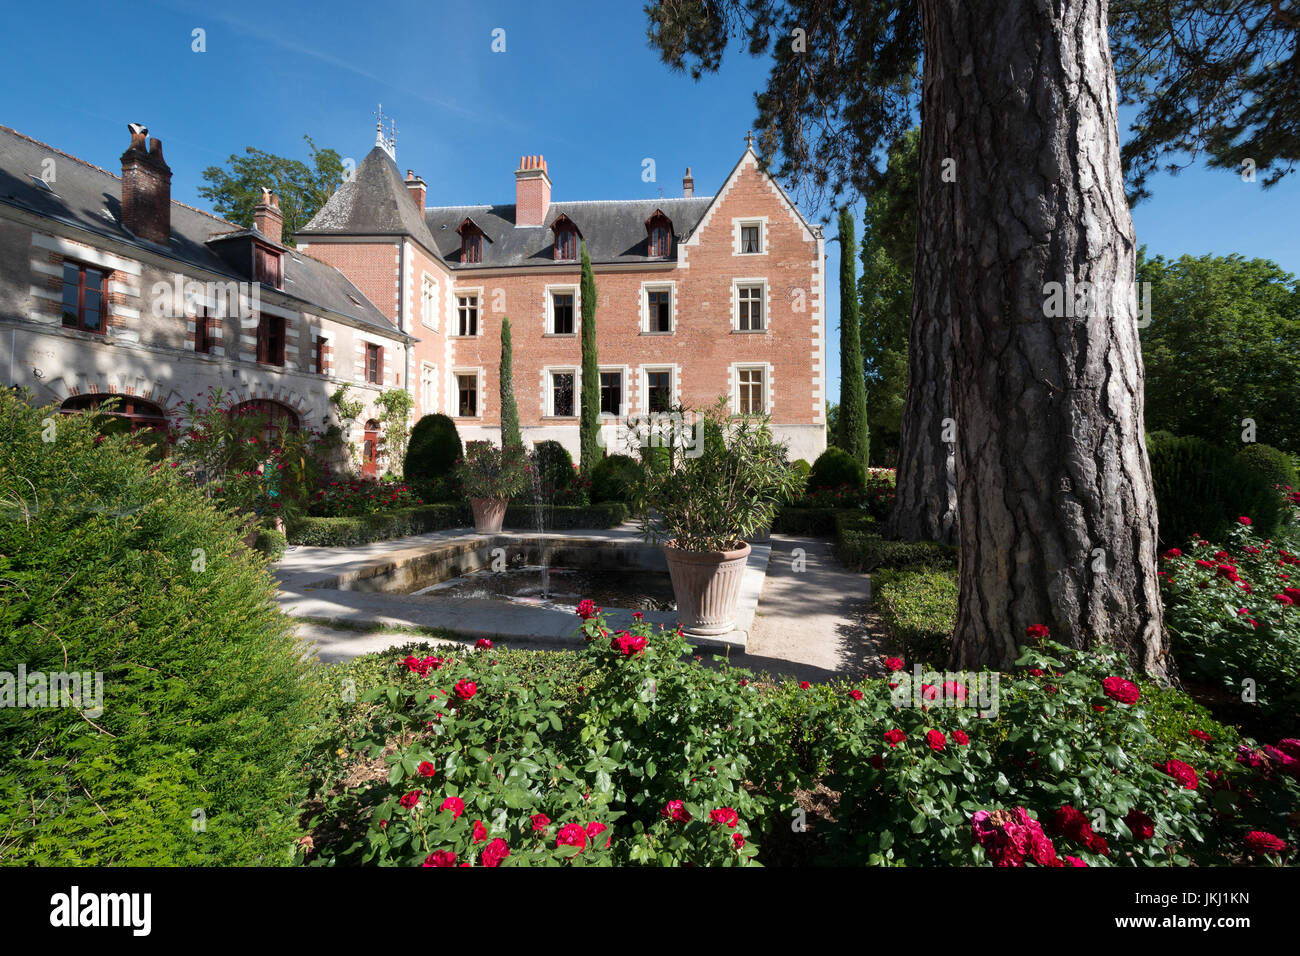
{"x":267,"y":218}
{"x":417,"y":189}
{"x":688,"y":184}
{"x":146,"y":188}
{"x":532,"y":191}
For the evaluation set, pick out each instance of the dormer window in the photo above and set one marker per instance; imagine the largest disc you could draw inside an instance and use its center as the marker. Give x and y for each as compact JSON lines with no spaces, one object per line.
{"x":471,"y":242}
{"x":566,"y":239}
{"x":659,"y":232}
{"x":267,"y":265}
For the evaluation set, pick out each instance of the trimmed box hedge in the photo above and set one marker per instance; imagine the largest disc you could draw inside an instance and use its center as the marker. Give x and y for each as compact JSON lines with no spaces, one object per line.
{"x":919,"y":610}
{"x":861,"y":548}
{"x":363,"y":529}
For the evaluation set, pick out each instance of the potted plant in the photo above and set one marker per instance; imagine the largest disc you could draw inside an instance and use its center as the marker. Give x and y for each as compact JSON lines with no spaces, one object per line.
{"x":703,"y":500}
{"x":489,"y":477}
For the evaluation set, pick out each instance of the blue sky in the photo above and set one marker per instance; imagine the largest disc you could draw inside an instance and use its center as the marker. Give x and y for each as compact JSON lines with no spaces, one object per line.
{"x":576,"y":83}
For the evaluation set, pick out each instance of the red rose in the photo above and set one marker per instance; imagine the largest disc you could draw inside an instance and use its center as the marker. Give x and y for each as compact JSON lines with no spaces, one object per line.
{"x":594,"y":829}
{"x":425,"y":769}
{"x":440,"y":858}
{"x":465,"y":689}
{"x":483,"y":644}
{"x":1074,"y":861}
{"x":1036,"y":631}
{"x":1261,"y":842}
{"x":480,"y":831}
{"x":587,"y":609}
{"x":572,"y":834}
{"x":494,"y":853}
{"x":1244,"y":520}
{"x":855,"y":694}
{"x":1181,"y":772}
{"x":877,"y":761}
{"x":455,"y":804}
{"x":804,"y":685}
{"x":540,"y":822}
{"x":894,"y":663}
{"x":1117,"y":688}
{"x":628,"y":644}
{"x":725,"y":816}
{"x":1202,"y":736}
{"x":410,"y":799}
{"x":737,"y":839}
{"x":960,"y":737}
{"x":895,"y":737}
{"x":1282,"y":599}
{"x":1143,"y":826}
{"x":935,"y":739}
{"x":674,"y":810}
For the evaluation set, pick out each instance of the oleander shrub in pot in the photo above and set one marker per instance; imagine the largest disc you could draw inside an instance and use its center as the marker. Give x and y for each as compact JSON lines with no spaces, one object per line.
{"x":704,"y":505}
{"x":490,"y":477}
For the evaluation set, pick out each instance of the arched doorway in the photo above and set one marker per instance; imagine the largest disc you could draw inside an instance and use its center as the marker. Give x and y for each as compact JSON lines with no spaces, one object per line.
{"x":370,"y":449}
{"x":279,"y":418}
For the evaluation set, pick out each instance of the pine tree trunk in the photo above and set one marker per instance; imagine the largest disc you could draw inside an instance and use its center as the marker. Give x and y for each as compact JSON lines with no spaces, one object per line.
{"x":925,"y":499}
{"x":1055,"y":504}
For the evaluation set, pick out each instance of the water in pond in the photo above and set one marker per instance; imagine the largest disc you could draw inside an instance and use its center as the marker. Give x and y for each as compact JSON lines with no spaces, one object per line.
{"x":634,"y":589}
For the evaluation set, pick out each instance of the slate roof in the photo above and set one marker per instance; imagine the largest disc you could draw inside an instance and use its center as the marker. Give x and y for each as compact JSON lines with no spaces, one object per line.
{"x":614,"y":230}
{"x":89,"y":197}
{"x":374,"y":202}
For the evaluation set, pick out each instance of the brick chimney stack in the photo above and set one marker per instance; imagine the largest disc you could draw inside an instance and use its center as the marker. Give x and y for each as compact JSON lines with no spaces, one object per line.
{"x":415,"y":185}
{"x":688,"y":184}
{"x":267,"y":218}
{"x":146,"y":188}
{"x":532,"y":191}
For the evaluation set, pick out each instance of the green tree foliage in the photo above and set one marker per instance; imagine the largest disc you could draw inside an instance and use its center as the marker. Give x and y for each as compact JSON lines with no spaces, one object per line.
{"x":855,"y":433}
{"x":590,"y":451}
{"x":235,"y":189}
{"x":1214,"y":76}
{"x":396,"y":404}
{"x":885,"y":291}
{"x":112,"y":563}
{"x":511,"y":437}
{"x":1223,"y":345}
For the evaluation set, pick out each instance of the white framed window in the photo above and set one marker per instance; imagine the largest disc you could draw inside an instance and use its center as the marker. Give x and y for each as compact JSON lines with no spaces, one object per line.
{"x":428,"y":388}
{"x":751,"y":389}
{"x":467,"y":314}
{"x":660,"y":388}
{"x":658,"y":308}
{"x":561,"y":393}
{"x":429,"y":302}
{"x":749,"y":236}
{"x":562,"y":310}
{"x":613,"y":392}
{"x":749,"y":305}
{"x":467,"y":392}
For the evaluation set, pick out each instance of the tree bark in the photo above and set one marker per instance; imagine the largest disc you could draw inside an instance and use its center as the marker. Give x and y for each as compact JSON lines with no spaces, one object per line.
{"x":925,"y":496}
{"x":1054,"y":495}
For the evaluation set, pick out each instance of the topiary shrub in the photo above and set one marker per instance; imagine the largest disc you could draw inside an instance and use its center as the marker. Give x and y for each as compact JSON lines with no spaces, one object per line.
{"x":117,"y":566}
{"x":835,"y":468}
{"x":1271,"y":464}
{"x":1203,"y":489}
{"x":561,"y":483}
{"x":615,"y":478}
{"x":433,"y":449}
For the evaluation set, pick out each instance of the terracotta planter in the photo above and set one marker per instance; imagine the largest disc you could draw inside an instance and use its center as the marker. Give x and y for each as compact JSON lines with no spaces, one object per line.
{"x":707,"y":587}
{"x":488,"y":514}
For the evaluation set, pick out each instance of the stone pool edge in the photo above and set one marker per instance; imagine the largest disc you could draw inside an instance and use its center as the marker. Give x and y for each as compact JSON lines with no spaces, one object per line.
{"x":310,"y":578}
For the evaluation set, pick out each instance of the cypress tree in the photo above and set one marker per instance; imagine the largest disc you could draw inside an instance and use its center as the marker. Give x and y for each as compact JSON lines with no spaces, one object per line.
{"x":855,"y":435}
{"x":510,"y":434}
{"x":589,"y":427}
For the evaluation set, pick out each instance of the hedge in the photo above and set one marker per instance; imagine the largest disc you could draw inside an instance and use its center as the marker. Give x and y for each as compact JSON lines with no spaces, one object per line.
{"x":820,"y":522}
{"x":919,"y":610}
{"x":348,"y":532}
{"x":861,"y":548}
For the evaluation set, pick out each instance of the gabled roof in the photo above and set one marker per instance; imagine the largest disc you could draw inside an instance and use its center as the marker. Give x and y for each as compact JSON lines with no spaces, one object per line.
{"x":614,"y":230}
{"x":90,"y":198}
{"x":374,"y":202}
